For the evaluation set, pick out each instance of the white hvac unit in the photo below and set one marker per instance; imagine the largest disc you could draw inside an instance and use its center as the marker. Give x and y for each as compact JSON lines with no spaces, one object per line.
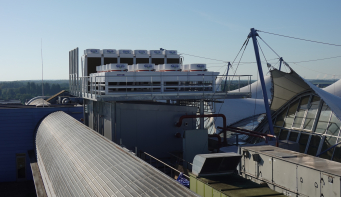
{"x":99,"y":69}
{"x":157,"y":57}
{"x":169,"y":67}
{"x":109,"y":53}
{"x":194,"y":67}
{"x":157,"y":54}
{"x":171,"y":54}
{"x":117,"y":67}
{"x":92,"y":52}
{"x":126,"y":53}
{"x":141,"y":53}
{"x":144,"y":67}
{"x":131,"y":68}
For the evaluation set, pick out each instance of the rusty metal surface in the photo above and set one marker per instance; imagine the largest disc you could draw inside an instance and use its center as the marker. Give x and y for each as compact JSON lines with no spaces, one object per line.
{"x":74,"y":160}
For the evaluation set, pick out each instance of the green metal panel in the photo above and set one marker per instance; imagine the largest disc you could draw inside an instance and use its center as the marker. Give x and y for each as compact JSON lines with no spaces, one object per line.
{"x":216,"y":193}
{"x":208,"y":191}
{"x":200,"y":188}
{"x":193,"y":184}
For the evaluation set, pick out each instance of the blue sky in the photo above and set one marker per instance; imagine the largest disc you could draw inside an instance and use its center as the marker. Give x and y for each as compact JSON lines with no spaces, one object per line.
{"x":212,"y":29}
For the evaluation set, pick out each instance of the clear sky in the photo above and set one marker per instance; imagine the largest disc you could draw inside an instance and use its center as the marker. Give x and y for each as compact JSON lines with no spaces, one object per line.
{"x":212,"y":29}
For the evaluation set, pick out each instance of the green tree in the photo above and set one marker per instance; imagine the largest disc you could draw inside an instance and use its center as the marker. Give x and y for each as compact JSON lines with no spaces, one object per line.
{"x":22,"y":90}
{"x":33,"y":88}
{"x":28,"y":87}
{"x":47,"y":89}
{"x":10,"y":93}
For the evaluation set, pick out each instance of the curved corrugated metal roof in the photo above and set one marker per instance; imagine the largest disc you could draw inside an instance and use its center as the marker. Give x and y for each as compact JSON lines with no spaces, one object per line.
{"x":74,"y":160}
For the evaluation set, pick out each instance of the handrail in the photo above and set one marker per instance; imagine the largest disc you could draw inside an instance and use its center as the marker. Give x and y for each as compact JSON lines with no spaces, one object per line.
{"x":165,"y":164}
{"x":90,"y":86}
{"x":254,"y":132}
{"x":180,"y":158}
{"x":249,"y":134}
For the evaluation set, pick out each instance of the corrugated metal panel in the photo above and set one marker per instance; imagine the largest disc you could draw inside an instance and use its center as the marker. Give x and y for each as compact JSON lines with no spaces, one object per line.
{"x":74,"y":160}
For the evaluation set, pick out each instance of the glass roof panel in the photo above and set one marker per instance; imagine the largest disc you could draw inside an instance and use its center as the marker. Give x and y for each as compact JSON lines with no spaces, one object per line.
{"x":334,"y":126}
{"x":310,"y":118}
{"x":300,"y":114}
{"x":291,"y":114}
{"x":323,"y":119}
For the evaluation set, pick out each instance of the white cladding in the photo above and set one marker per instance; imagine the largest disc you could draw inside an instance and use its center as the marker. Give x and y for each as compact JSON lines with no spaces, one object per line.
{"x":109,"y":52}
{"x":141,"y":53}
{"x":169,"y":67}
{"x":126,"y":53}
{"x":157,"y":54}
{"x":194,"y":67}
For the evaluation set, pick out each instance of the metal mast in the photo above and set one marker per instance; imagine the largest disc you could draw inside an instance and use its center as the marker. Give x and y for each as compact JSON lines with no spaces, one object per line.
{"x":253,"y":35}
{"x":280,"y":63}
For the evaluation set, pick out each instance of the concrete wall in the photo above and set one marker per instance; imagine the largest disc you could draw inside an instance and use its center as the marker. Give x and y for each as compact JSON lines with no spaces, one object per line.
{"x":17,"y":135}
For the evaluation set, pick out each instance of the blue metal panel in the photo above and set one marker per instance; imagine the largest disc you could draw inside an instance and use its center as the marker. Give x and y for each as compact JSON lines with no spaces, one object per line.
{"x":17,"y":135}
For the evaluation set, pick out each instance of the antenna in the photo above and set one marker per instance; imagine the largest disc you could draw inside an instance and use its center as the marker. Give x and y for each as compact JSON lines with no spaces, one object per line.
{"x":42,"y":68}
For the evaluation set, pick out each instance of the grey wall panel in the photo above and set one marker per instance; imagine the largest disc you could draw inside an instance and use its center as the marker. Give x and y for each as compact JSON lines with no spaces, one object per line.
{"x":194,"y":142}
{"x":330,"y":185}
{"x":91,"y":113}
{"x":113,"y":121}
{"x":308,"y":181}
{"x":74,"y":160}
{"x":107,"y":119}
{"x":284,"y":174}
{"x":150,"y":127}
{"x":264,"y":165}
{"x":95,"y":115}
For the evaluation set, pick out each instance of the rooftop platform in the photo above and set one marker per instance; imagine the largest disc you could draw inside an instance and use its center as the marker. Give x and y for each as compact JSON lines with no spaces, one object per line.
{"x":132,"y":86}
{"x":165,"y":96}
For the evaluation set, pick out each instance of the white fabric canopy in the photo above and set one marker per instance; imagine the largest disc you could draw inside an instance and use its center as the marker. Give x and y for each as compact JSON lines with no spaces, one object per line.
{"x":256,"y":88}
{"x":334,"y":88}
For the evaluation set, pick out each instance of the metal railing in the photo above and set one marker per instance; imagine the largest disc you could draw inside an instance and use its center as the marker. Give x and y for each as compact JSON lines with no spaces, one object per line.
{"x":95,"y":86}
{"x":165,"y":166}
{"x":178,"y":159}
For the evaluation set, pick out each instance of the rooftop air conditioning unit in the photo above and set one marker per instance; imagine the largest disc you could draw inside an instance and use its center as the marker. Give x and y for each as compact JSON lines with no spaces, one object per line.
{"x":169,"y":67}
{"x":144,"y":67}
{"x":194,"y":67}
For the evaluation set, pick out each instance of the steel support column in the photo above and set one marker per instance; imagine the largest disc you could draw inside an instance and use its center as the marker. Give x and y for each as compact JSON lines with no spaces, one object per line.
{"x":253,"y":35}
{"x":280,"y":63}
{"x":202,"y":119}
{"x":227,"y":73}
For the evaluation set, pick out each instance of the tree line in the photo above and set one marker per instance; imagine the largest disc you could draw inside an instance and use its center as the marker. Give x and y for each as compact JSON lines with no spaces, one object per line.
{"x":25,"y":90}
